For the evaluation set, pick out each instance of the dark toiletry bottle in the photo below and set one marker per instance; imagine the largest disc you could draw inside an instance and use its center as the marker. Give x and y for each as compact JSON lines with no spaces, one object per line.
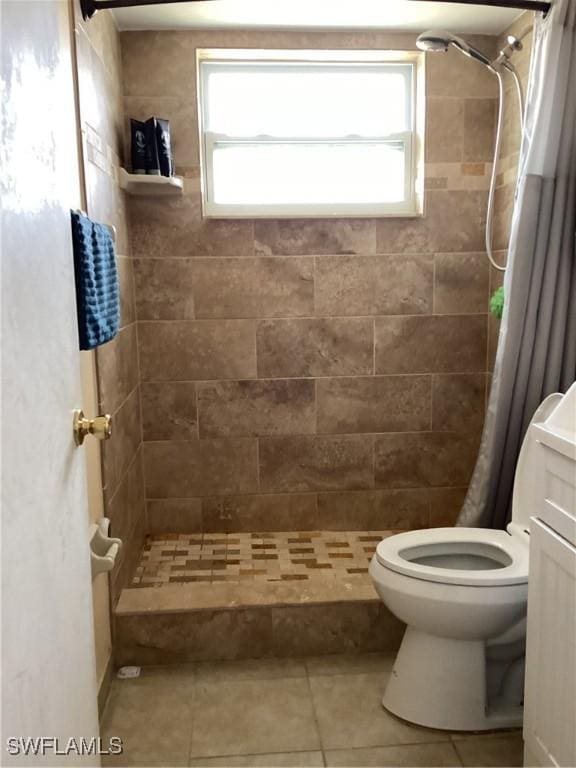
{"x":163,"y":142}
{"x":138,"y":136}
{"x":152,"y":161}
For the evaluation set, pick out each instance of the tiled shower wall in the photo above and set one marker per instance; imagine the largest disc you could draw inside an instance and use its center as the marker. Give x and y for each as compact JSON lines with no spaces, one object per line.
{"x":101,"y":118}
{"x":313,"y":373}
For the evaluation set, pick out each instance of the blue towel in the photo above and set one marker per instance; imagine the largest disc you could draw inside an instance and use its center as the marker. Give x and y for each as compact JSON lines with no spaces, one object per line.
{"x":97,"y":290}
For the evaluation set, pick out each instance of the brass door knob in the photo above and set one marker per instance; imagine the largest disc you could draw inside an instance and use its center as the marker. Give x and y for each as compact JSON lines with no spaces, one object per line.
{"x":100,"y":427}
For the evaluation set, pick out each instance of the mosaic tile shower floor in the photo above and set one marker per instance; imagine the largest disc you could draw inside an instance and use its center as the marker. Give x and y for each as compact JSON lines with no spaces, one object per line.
{"x":169,"y":559}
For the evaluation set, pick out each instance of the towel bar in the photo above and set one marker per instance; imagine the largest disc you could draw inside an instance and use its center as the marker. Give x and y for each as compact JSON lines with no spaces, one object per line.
{"x":111,"y":227}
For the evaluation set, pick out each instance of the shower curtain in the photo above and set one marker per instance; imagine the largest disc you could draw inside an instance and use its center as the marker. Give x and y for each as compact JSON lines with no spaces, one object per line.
{"x":537,"y":344}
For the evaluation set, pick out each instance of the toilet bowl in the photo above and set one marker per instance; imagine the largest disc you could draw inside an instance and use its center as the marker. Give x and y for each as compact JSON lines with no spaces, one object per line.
{"x":462,"y":592}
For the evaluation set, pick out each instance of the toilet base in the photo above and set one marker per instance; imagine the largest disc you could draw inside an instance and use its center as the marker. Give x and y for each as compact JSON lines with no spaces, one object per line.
{"x":441,"y":683}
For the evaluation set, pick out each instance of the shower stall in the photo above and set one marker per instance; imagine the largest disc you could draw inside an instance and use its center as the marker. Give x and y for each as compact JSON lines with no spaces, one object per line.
{"x":286,"y":392}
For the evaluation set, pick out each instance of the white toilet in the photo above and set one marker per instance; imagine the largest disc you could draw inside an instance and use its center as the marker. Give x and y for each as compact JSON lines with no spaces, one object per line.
{"x":462,"y":593}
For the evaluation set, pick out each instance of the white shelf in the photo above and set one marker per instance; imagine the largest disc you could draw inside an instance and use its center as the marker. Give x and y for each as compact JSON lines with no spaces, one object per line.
{"x":142,"y":184}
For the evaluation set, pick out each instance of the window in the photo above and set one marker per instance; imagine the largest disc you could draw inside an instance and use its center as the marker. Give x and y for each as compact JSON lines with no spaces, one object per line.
{"x":309,"y":133}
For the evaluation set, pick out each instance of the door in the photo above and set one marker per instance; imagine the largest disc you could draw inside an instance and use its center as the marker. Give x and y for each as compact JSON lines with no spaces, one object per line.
{"x":549,"y":705}
{"x":48,"y":672}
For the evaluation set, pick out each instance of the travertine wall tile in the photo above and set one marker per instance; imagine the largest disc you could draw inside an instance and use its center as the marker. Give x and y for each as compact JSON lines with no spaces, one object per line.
{"x":254,"y":408}
{"x":460,"y":283}
{"x":445,"y":505}
{"x":126,"y":280}
{"x":184,"y":289}
{"x":261,"y":287}
{"x":437,"y":344}
{"x":374,"y":404}
{"x":295,"y":464}
{"x":326,"y":347}
{"x":159,"y":65}
{"x":164,"y":289}
{"x":204,"y":349}
{"x":174,"y":227}
{"x":444,"y":130}
{"x":127,"y":512}
{"x":374,"y":510}
{"x":169,"y":410}
{"x":458,"y":402}
{"x":190,"y":469}
{"x":159,"y":638}
{"x":126,"y":505}
{"x":122,"y":576}
{"x":118,"y":368}
{"x":453,"y":221}
{"x":301,"y":631}
{"x":285,"y":237}
{"x":425,"y":459}
{"x":266,"y":512}
{"x":479,"y":129}
{"x":387,"y":284}
{"x":174,"y":515}
{"x":118,"y":453}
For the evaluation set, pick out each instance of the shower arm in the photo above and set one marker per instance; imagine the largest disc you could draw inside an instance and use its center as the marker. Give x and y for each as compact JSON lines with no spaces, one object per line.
{"x":89,"y":7}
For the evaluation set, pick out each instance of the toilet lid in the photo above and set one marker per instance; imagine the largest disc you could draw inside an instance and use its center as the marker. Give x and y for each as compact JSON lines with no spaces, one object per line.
{"x":468,"y":556}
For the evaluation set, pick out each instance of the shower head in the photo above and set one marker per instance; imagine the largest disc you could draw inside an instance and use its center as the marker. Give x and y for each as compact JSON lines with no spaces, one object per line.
{"x":434,"y":40}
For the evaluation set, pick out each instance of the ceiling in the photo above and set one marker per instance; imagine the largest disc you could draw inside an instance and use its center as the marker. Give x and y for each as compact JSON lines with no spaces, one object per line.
{"x":318,"y":14}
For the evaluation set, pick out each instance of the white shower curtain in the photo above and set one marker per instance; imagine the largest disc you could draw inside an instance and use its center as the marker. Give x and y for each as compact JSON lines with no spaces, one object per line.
{"x":537,"y":345}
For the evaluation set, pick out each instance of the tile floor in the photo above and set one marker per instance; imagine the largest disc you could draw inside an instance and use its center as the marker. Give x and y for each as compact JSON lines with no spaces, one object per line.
{"x":270,"y":557}
{"x":320,"y":711}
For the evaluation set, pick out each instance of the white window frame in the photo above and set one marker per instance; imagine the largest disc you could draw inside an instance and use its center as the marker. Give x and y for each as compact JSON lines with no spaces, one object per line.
{"x":413,"y":139}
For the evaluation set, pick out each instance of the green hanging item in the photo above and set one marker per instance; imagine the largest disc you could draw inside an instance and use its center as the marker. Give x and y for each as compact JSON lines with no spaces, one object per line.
{"x":497,"y":303}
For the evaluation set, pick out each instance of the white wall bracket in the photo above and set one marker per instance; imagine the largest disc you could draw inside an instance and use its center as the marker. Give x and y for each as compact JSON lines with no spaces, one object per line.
{"x":103,"y":548}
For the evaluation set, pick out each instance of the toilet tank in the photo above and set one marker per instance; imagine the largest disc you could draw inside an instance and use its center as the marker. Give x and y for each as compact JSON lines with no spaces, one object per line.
{"x":525,"y":475}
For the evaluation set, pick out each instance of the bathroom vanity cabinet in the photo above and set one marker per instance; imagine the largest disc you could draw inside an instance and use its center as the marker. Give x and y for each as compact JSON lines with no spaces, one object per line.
{"x":550,"y":693}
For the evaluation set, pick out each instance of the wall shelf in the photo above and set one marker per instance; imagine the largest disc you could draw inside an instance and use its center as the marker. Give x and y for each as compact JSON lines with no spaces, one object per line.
{"x":141,"y":184}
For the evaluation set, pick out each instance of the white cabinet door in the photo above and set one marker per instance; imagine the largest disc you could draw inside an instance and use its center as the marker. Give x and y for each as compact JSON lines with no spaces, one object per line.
{"x":550,"y":699}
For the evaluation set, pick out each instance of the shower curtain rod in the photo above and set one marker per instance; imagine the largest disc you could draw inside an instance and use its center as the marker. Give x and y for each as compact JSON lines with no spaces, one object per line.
{"x":522,"y":5}
{"x":89,"y":7}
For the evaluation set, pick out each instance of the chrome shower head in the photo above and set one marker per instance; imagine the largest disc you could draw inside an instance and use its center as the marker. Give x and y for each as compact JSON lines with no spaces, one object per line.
{"x":434,"y":40}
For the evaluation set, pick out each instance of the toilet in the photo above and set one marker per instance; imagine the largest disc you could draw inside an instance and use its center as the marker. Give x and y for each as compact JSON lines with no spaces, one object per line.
{"x":462,"y":592}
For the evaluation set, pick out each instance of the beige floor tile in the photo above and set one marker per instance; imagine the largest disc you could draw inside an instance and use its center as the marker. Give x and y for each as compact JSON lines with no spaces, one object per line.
{"x":153,"y":718}
{"x":240,"y":717}
{"x":504,"y":751}
{"x":250,"y":669}
{"x":414,"y":755}
{"x":350,"y":714}
{"x":351,"y":664}
{"x":274,"y":760}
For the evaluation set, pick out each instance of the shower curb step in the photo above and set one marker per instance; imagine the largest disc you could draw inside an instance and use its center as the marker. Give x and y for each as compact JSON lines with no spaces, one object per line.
{"x":224,"y":621}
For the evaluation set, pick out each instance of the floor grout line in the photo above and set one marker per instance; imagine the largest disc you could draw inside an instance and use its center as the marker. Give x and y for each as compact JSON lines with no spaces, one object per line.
{"x":315,"y":714}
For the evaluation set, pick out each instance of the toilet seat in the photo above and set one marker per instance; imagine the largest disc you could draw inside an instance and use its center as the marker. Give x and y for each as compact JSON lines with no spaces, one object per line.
{"x":508,"y":556}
